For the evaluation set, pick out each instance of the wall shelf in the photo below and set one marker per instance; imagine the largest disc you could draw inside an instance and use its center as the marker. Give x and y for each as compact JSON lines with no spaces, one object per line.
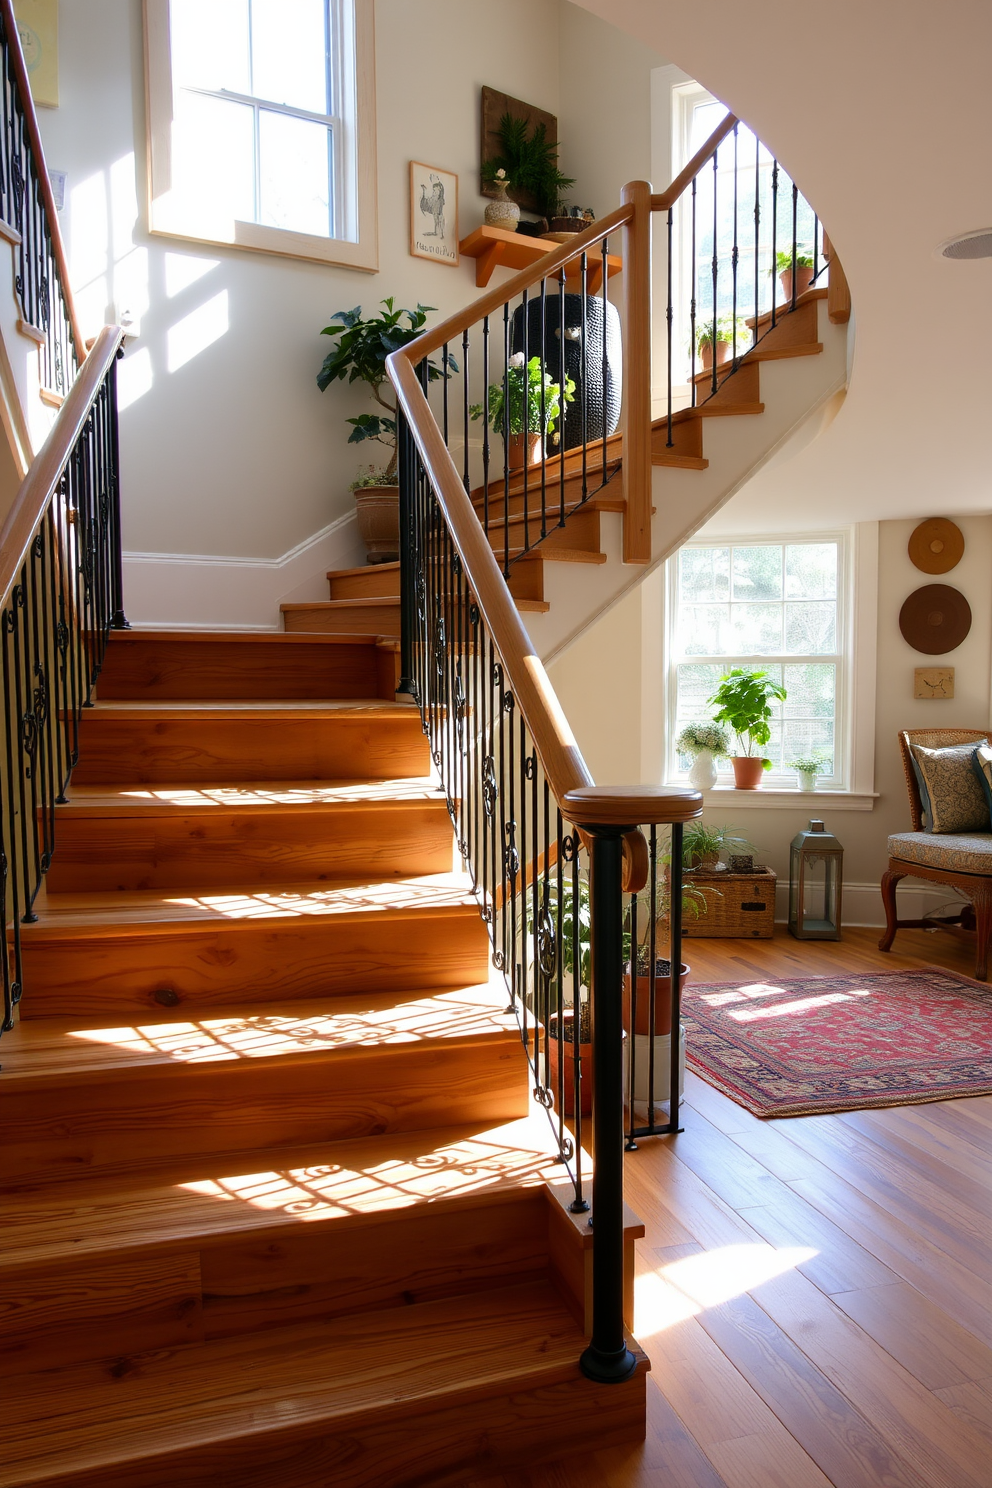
{"x":492,"y":248}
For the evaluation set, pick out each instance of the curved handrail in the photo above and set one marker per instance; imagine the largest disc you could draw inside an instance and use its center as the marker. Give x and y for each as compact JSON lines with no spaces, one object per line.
{"x":40,"y":483}
{"x":567,"y":773}
{"x":661,"y":201}
{"x":44,"y":184}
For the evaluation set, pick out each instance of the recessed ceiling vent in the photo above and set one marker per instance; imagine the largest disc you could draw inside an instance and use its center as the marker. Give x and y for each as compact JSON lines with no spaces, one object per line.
{"x":971,"y":245}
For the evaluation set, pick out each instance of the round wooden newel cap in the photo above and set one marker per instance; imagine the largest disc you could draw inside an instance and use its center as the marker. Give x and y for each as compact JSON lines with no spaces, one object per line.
{"x":936,"y":546}
{"x":935,"y":619}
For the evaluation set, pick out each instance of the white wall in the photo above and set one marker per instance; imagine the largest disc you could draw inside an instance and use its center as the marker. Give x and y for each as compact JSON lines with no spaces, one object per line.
{"x":236,"y":452}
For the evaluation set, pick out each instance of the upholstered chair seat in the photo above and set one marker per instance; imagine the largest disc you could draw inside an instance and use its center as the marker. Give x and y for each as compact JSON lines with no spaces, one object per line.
{"x":961,"y":852}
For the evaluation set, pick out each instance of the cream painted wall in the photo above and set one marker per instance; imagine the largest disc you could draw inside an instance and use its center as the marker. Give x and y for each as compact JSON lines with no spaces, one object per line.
{"x":236,"y":452}
{"x":616,"y":721}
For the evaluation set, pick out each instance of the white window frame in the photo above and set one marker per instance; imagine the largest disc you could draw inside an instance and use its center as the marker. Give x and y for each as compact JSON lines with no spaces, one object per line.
{"x":854,"y":737}
{"x":355,"y":207}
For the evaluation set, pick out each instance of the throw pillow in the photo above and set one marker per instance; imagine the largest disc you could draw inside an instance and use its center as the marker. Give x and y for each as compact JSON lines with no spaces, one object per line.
{"x":981,"y":763}
{"x":957,"y":801}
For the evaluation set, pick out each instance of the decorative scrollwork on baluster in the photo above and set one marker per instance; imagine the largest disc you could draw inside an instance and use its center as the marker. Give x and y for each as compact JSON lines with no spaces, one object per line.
{"x":17,"y":189}
{"x":544,"y":1097}
{"x":439,"y":642}
{"x":44,"y":303}
{"x":569,"y":849}
{"x":530,"y":767}
{"x":511,"y":858}
{"x":490,"y":789}
{"x":547,"y":943}
{"x":459,"y":710}
{"x":421,"y":599}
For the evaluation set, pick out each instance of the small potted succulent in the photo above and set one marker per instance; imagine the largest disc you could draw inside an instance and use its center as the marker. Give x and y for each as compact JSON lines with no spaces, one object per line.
{"x":360,"y":356}
{"x":525,"y":408}
{"x":743,"y":702}
{"x":704,"y":743}
{"x":723,"y":337}
{"x":807,"y":767}
{"x":803,"y":263}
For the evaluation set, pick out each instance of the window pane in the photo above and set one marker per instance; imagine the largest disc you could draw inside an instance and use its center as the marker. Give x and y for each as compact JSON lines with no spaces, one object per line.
{"x":294,"y":174}
{"x":705,"y":118}
{"x":705,"y":630}
{"x":812,"y":690}
{"x":210,"y":44}
{"x":811,"y":628}
{"x":809,"y":738}
{"x":757,"y":629}
{"x":757,"y":573}
{"x":289,"y":53}
{"x":213,"y":156}
{"x":704,"y":574}
{"x":811,"y":570}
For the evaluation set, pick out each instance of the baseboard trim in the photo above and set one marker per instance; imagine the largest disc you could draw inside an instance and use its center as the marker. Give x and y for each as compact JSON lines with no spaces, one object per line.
{"x":862,"y":903}
{"x":209,"y":591}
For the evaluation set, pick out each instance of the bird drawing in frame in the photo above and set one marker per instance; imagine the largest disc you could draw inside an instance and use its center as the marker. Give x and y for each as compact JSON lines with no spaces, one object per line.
{"x":432,"y":205}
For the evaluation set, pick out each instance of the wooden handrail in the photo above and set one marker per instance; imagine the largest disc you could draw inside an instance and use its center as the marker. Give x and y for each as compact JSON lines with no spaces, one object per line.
{"x":44,"y":184}
{"x":661,"y":201}
{"x":41,"y":481}
{"x":567,"y":774}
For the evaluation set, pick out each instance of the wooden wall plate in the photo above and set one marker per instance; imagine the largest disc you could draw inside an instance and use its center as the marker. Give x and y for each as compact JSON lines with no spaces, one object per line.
{"x":935,"y":619}
{"x":936,"y":546}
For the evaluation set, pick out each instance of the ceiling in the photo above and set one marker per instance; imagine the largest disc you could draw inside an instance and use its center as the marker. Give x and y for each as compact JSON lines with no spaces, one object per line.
{"x":880,"y":113}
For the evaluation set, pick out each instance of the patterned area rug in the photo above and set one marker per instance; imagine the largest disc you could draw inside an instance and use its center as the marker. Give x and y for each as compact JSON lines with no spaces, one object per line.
{"x":811,"y":1044}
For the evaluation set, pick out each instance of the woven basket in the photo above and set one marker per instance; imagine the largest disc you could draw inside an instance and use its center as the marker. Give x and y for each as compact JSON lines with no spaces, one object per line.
{"x":742,"y":904}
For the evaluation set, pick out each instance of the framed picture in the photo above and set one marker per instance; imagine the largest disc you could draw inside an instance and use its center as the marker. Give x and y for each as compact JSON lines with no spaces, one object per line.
{"x":433,"y":214}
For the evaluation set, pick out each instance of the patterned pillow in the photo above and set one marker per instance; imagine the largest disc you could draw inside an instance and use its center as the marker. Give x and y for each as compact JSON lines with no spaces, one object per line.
{"x":957,"y":801}
{"x":981,"y":763}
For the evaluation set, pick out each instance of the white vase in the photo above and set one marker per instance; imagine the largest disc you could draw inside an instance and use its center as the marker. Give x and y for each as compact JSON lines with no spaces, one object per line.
{"x":646,"y":1108}
{"x":807,"y":780}
{"x":702,"y":776}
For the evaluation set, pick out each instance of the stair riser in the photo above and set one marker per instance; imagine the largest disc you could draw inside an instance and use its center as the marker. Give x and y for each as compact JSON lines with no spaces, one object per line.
{"x":380,"y":620}
{"x":234,"y":1105}
{"x":249,"y":963}
{"x":509,"y":1428}
{"x":581,"y":531}
{"x":223,"y":751}
{"x":378,"y":581}
{"x":322,"y":1268}
{"x":222,"y":849}
{"x":149,"y":668}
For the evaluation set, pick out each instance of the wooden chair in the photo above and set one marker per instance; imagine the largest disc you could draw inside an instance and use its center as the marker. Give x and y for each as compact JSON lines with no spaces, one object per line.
{"x":962,"y":860}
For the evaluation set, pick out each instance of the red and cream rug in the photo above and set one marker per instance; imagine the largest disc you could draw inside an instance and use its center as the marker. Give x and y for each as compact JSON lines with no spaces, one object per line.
{"x":797,"y":1046}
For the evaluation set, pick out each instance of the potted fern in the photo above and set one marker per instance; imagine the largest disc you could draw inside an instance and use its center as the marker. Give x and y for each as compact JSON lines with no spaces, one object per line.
{"x":722,"y":337}
{"x":525,"y":408}
{"x":743,"y":702}
{"x":803,"y":263}
{"x":359,"y":355}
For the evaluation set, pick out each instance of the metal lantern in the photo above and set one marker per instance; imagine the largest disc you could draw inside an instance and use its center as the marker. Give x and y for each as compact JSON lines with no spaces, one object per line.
{"x":816,"y":880}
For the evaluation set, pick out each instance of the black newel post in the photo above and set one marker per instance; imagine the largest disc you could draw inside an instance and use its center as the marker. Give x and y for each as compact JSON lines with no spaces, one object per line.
{"x":119,"y":620}
{"x":407,"y":471}
{"x":607,"y":1359}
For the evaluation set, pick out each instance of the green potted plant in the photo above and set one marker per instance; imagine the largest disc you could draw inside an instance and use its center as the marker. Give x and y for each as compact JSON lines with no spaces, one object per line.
{"x":743,"y":702}
{"x":704,"y":743}
{"x":524,"y":408}
{"x":803,"y":269}
{"x":529,"y":160}
{"x":703,"y":845}
{"x":359,"y":355}
{"x":724,"y":339}
{"x":807,"y":767}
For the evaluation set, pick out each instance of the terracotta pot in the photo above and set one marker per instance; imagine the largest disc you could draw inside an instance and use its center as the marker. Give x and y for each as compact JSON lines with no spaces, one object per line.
{"x":585,"y":1066}
{"x":524,"y":449}
{"x":378,"y":510}
{"x":662,"y":1002}
{"x":748,"y":770}
{"x":724,"y":351}
{"x":804,"y":278}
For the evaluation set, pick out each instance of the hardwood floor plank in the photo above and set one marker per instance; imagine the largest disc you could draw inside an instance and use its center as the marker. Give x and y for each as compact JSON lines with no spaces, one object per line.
{"x":919,"y":1334}
{"x":973,"y":1403}
{"x":840,"y":1263}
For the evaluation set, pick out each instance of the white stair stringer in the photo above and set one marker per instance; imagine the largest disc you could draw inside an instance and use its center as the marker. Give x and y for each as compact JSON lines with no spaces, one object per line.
{"x":793,"y":389}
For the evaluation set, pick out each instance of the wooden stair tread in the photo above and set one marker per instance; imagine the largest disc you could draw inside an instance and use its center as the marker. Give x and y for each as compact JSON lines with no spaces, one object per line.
{"x":58,"y":1053}
{"x":535,"y":606}
{"x":331,"y":709}
{"x":679,"y":462}
{"x":546,"y":554}
{"x":366,"y":1180}
{"x":372,"y":601}
{"x":264,"y":796}
{"x":65,"y":916}
{"x":377,"y":1367}
{"x":366,"y":570}
{"x":237,"y":637}
{"x":714,"y":409}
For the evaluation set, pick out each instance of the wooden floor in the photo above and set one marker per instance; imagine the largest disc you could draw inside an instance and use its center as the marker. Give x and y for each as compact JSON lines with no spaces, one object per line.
{"x":815,"y":1293}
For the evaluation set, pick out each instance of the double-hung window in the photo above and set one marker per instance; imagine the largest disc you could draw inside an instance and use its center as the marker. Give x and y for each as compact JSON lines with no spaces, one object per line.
{"x":261,"y":122}
{"x":783,"y":606}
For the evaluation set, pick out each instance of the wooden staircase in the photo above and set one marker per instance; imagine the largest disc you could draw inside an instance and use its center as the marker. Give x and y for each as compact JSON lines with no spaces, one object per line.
{"x":277,"y":1208}
{"x":368,"y":598}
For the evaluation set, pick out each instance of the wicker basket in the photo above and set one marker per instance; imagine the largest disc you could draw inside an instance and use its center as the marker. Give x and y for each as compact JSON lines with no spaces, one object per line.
{"x":743,"y":904}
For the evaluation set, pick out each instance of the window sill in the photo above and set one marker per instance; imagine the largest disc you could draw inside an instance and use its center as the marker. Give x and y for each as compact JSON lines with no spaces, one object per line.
{"x":832,"y":800}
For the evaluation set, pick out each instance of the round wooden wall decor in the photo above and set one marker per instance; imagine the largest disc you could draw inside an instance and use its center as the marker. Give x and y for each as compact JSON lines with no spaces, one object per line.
{"x":936,"y":546}
{"x":935,"y":619}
